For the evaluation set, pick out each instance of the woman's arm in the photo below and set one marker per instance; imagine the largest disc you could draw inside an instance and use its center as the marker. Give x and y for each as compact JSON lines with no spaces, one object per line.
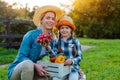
{"x":25,"y":46}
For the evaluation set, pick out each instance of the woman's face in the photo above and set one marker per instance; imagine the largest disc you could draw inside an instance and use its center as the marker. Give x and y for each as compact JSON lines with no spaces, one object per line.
{"x":48,"y":20}
{"x":65,"y":31}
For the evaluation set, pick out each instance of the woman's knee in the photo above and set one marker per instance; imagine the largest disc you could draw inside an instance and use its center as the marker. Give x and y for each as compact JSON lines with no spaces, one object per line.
{"x":28,"y":65}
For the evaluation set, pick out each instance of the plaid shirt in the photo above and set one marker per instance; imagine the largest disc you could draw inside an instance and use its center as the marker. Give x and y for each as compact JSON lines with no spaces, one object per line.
{"x":68,"y":50}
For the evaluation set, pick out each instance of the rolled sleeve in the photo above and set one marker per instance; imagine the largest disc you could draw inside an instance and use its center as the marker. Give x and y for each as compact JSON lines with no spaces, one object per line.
{"x":53,"y":48}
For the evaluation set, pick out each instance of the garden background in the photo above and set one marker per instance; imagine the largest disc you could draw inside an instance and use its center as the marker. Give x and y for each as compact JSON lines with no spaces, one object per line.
{"x":98,"y":25}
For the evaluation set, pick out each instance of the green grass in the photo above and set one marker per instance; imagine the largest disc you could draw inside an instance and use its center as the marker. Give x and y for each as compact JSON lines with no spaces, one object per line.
{"x":103,"y":61}
{"x":3,"y":73}
{"x":7,"y":55}
{"x":99,"y":63}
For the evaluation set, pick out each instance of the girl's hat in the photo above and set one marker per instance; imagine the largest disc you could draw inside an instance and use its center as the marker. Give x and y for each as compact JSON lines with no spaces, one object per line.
{"x":66,"y":21}
{"x":42,"y":10}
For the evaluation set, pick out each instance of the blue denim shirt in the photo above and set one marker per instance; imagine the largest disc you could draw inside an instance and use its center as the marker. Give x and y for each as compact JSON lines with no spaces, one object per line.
{"x":29,"y":49}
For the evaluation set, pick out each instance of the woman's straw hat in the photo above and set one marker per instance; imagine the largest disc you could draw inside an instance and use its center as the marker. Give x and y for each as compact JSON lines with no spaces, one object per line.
{"x":42,"y":10}
{"x":66,"y":21}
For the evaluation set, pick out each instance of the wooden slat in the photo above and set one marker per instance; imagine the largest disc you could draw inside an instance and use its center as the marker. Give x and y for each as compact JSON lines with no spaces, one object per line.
{"x":16,"y":21}
{"x":15,"y":44}
{"x":4,"y":44}
{"x":10,"y":44}
{"x":21,"y":21}
{"x":11,"y":36}
{"x":4,"y":20}
{"x":8,"y":36}
{"x":56,"y":70}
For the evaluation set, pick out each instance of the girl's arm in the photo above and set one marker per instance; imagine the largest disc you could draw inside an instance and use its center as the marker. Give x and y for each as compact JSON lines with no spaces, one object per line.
{"x":52,"y":49}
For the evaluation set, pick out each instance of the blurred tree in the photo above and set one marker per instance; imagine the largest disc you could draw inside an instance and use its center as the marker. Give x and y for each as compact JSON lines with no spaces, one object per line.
{"x":102,"y":15}
{"x":6,"y":10}
{"x":14,"y":12}
{"x":32,"y":12}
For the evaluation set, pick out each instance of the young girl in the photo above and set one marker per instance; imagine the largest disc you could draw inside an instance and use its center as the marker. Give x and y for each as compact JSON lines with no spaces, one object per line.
{"x":68,"y":45}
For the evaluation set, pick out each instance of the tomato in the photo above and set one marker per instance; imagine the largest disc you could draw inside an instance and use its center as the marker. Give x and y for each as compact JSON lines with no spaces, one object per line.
{"x":52,"y":59}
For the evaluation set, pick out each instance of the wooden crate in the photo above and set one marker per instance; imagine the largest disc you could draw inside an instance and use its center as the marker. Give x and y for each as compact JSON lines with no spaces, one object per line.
{"x":56,"y":70}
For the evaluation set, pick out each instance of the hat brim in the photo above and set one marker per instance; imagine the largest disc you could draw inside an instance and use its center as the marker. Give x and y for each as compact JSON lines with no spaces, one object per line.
{"x":66,"y":23}
{"x":40,"y":12}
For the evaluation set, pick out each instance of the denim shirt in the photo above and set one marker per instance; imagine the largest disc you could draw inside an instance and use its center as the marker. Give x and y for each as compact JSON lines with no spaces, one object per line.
{"x":29,"y":49}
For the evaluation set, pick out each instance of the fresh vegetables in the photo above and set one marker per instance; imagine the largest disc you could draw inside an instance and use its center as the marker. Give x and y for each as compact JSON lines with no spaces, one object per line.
{"x":60,"y":59}
{"x":52,"y":59}
{"x":45,"y":58}
{"x":44,"y":39}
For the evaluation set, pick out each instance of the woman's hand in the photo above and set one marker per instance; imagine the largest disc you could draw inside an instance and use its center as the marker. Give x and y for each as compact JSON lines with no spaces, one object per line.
{"x":40,"y":69}
{"x":68,"y":62}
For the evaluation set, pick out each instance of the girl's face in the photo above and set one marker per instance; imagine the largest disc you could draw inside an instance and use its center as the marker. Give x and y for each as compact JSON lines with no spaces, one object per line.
{"x":48,"y":20}
{"x":65,"y":31}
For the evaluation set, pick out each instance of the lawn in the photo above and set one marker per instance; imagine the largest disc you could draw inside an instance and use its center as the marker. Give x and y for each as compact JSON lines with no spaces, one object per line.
{"x":7,"y":55}
{"x":103,"y":61}
{"x":99,"y":63}
{"x":3,"y":73}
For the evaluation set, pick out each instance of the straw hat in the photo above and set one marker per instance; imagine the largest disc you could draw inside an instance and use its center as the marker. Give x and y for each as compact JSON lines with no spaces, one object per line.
{"x":42,"y":10}
{"x":66,"y":20}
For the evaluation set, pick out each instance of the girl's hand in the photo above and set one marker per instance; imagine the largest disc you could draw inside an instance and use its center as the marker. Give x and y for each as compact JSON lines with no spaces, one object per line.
{"x":46,"y":46}
{"x":40,"y":69}
{"x":68,"y":62}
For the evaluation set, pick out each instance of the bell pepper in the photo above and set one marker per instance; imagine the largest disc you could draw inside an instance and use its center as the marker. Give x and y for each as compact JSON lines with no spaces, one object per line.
{"x":60,"y":59}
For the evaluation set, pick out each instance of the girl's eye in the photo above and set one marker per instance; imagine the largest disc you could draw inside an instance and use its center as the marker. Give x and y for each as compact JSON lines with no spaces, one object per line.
{"x":61,"y":27}
{"x":67,"y":27}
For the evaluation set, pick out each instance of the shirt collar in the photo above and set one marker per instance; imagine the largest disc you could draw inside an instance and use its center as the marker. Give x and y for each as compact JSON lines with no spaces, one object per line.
{"x":67,"y":39}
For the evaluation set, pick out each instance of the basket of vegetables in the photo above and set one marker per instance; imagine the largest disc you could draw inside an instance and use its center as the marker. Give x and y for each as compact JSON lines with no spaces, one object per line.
{"x":56,"y":69}
{"x":55,"y":66}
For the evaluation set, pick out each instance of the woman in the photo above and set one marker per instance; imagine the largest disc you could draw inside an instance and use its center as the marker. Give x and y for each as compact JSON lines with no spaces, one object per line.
{"x":24,"y":66}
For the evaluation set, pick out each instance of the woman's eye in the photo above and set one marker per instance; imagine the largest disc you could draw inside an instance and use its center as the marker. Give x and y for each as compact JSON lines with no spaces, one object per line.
{"x":53,"y":19}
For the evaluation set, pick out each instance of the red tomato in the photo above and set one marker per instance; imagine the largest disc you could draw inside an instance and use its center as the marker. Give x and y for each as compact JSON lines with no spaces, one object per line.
{"x":52,"y":59}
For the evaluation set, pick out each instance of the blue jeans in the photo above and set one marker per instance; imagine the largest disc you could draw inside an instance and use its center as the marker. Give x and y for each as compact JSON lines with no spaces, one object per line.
{"x":71,"y":76}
